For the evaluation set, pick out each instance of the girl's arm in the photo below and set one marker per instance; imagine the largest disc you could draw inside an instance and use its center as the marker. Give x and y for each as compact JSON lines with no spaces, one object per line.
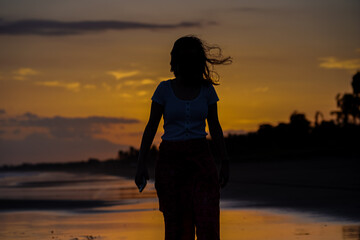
{"x":147,"y":139}
{"x":218,"y":138}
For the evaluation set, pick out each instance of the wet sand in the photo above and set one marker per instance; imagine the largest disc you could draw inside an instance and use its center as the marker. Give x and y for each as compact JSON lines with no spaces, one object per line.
{"x":323,"y":186}
{"x":264,"y":200}
{"x":146,"y":224}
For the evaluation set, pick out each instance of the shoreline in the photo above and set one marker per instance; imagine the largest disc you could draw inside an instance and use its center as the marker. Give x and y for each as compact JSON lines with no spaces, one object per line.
{"x":324,"y":186}
{"x":321,"y":186}
{"x":149,"y":225}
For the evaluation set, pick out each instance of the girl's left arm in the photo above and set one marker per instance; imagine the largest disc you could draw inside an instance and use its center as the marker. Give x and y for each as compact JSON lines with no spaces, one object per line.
{"x":218,"y":138}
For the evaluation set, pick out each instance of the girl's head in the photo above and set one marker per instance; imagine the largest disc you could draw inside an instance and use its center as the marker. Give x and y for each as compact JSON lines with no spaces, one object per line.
{"x":191,"y":59}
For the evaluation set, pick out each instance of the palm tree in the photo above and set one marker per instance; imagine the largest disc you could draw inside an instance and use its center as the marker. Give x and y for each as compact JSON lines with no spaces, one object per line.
{"x":356,"y":89}
{"x":356,"y":83}
{"x":318,"y":115}
{"x":349,"y":103}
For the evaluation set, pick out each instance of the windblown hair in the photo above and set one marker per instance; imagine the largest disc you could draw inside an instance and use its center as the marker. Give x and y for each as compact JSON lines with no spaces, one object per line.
{"x":193,"y":57}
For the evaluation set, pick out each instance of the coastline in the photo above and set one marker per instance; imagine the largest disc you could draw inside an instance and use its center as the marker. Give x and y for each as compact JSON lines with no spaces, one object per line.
{"x":263,"y":200}
{"x":328,"y":186}
{"x":324,"y":186}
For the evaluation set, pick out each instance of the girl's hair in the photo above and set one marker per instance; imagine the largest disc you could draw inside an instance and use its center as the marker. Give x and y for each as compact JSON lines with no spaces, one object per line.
{"x":191,"y":56}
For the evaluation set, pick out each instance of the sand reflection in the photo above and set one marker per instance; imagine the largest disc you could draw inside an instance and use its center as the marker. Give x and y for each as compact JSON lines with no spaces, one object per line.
{"x":144,"y":222}
{"x":65,"y":206}
{"x":351,"y":232}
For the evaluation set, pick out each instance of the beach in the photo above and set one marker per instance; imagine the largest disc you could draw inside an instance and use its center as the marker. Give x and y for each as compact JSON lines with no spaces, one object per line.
{"x":147,"y":224}
{"x":327,"y":186}
{"x":263,"y":200}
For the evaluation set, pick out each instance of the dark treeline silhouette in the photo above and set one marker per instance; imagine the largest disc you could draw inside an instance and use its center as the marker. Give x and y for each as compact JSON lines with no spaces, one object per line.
{"x":299,"y":138}
{"x":296,"y":139}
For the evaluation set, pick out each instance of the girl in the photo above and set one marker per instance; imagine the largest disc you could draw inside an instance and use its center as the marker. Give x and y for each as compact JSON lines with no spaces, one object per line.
{"x":186,"y":179}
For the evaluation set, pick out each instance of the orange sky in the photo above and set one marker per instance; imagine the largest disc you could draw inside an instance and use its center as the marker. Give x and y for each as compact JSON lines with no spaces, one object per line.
{"x":287,"y":56}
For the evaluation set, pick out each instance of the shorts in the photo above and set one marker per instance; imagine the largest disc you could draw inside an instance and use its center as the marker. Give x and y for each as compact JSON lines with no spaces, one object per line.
{"x":187,"y":185}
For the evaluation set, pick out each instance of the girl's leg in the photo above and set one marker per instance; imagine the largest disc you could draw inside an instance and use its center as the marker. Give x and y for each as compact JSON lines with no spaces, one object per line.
{"x":206,"y":202}
{"x":207,"y":223}
{"x":174,"y":186}
{"x":179,"y":226}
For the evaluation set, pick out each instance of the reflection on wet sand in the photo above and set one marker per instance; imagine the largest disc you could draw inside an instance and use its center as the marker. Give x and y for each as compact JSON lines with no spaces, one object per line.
{"x":351,"y":232}
{"x":124,"y":222}
{"x":65,"y":206}
{"x":69,"y":186}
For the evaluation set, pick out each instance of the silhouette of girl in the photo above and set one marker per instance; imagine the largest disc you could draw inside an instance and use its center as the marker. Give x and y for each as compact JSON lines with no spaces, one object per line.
{"x":186,"y":178}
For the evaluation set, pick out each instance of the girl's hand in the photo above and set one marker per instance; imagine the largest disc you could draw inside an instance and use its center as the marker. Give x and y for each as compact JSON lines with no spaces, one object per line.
{"x":141,"y":177}
{"x":224,"y":174}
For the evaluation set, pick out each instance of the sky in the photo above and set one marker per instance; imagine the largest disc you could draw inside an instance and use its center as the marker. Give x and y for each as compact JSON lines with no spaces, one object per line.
{"x":76,"y":77}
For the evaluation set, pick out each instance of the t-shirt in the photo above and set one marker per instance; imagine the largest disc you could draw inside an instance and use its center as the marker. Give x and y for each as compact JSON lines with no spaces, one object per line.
{"x":184,"y":119}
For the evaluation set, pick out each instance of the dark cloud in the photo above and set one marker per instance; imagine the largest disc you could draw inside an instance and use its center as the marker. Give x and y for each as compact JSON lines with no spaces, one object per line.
{"x":64,"y":138}
{"x":60,"y":28}
{"x":38,"y":148}
{"x":2,"y":111}
{"x":16,"y":131}
{"x":66,"y":127}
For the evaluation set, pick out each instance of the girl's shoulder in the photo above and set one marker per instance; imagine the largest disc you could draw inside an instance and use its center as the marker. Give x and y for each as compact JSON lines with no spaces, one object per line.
{"x":164,"y":84}
{"x":209,"y":87}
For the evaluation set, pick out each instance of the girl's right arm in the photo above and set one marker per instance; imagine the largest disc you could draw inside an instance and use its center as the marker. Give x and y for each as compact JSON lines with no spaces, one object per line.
{"x":147,"y":139}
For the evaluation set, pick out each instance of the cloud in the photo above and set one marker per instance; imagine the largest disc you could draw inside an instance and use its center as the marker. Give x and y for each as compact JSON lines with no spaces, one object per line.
{"x":261,"y":89}
{"x":90,"y":86}
{"x":130,"y":83}
{"x":121,"y":74}
{"x":60,"y":28}
{"x":118,"y":86}
{"x":147,"y":82}
{"x":141,"y":93}
{"x":133,"y":84}
{"x":66,"y":127}
{"x":58,"y":138}
{"x":334,"y":63}
{"x":74,"y":86}
{"x":22,"y":73}
{"x":106,"y":86}
{"x":39,"y":147}
{"x":26,"y":71}
{"x":125,"y":95}
{"x":139,"y":82}
{"x":2,"y":111}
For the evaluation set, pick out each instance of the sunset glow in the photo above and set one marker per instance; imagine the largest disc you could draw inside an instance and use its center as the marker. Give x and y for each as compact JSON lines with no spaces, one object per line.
{"x":106,"y":61}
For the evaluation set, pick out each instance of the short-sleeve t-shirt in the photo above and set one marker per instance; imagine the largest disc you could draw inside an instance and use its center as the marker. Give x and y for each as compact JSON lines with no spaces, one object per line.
{"x":184,"y":119}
